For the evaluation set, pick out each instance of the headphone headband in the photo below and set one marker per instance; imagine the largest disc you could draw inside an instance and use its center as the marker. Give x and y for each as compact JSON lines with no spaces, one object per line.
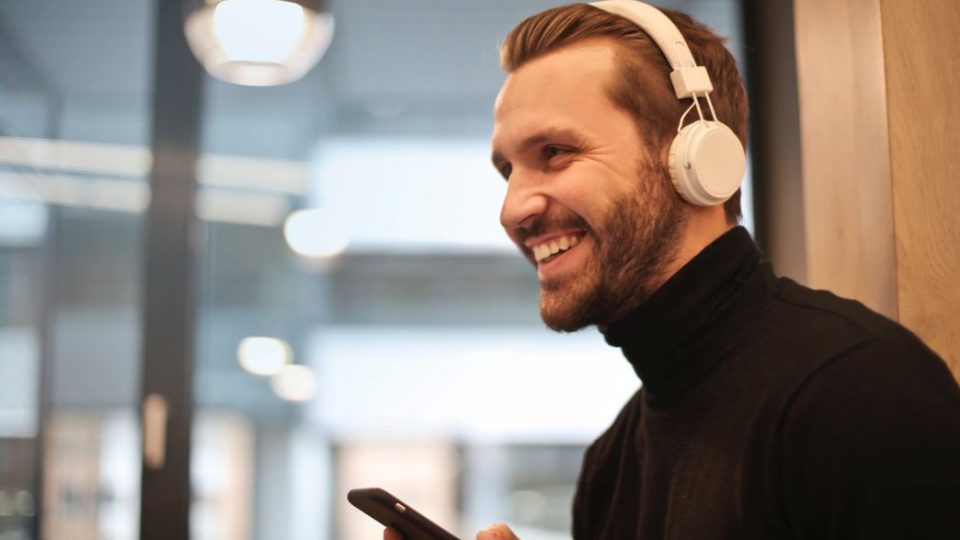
{"x":687,"y":77}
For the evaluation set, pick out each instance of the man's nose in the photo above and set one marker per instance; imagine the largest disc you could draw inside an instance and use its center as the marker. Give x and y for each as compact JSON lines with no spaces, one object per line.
{"x":523,"y":203}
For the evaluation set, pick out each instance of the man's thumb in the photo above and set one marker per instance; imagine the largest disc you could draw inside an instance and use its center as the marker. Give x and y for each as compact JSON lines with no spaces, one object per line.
{"x":497,"y":531}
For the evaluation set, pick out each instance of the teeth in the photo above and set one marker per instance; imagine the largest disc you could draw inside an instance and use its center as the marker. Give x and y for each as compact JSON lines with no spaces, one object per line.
{"x":542,"y":252}
{"x":546,"y":249}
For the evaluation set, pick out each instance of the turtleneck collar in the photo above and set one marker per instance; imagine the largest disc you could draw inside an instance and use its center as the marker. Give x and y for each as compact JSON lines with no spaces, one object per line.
{"x":686,"y":326}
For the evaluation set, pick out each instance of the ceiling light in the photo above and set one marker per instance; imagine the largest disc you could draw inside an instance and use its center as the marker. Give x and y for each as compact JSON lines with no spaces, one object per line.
{"x":316,"y":233}
{"x":295,"y":383}
{"x":264,"y":355}
{"x":258,"y":42}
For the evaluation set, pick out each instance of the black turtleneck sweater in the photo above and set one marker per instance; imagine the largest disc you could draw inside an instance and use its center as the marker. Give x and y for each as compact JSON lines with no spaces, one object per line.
{"x":771,"y":411}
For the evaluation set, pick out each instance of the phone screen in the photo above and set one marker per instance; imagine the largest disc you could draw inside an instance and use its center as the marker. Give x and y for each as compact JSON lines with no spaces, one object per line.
{"x":391,"y":512}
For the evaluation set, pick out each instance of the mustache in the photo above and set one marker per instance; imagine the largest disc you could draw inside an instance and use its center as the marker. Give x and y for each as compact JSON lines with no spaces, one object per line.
{"x":553,"y":223}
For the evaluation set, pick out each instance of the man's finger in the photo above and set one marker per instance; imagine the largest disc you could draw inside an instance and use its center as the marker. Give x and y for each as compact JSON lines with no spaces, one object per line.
{"x":391,"y":534}
{"x":497,"y":531}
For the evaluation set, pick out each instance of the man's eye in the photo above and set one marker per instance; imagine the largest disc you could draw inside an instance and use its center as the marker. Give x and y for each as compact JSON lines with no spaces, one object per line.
{"x":505,"y":171}
{"x":552,"y":151}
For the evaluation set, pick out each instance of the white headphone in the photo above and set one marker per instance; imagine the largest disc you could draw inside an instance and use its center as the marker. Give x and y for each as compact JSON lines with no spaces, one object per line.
{"x":707,"y":161}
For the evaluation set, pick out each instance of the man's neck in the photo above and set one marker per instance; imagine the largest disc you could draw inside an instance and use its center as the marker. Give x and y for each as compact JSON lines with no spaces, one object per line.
{"x":701,"y":230}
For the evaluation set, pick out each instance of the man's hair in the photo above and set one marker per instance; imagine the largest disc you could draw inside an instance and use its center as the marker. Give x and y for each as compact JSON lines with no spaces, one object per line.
{"x":642,"y":84}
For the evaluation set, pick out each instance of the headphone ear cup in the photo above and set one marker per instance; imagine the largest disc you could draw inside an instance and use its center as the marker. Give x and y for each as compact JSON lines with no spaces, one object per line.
{"x":706,"y":163}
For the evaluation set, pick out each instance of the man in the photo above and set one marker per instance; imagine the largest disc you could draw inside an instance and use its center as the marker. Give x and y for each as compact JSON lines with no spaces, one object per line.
{"x":767,"y":410}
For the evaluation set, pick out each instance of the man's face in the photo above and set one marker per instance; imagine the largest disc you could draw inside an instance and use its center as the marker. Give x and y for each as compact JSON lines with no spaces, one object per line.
{"x":587,"y":202}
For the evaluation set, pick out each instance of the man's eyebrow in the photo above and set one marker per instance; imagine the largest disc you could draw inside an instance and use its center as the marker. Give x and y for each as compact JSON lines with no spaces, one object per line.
{"x":538,"y":138}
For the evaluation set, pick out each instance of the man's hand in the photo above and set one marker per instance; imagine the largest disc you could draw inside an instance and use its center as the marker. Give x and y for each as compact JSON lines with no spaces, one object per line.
{"x":497,"y":531}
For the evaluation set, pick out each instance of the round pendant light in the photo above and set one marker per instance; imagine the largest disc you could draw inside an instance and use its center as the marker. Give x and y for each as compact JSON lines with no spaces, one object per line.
{"x":258,"y":42}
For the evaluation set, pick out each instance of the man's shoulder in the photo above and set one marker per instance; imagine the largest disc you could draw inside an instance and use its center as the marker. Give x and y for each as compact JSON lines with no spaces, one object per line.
{"x":874,"y":423}
{"x":874,"y":348}
{"x":805,"y":335}
{"x":818,"y":323}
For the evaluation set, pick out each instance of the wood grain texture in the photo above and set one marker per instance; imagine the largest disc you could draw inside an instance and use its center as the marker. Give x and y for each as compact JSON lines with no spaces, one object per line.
{"x":922,"y":51}
{"x":846,"y":166}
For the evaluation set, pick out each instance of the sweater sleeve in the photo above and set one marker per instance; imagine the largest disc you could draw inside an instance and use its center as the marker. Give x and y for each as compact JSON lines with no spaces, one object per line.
{"x":871,"y":447}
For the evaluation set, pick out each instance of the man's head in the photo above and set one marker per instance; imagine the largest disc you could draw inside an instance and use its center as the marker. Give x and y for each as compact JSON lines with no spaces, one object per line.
{"x":583,"y":126}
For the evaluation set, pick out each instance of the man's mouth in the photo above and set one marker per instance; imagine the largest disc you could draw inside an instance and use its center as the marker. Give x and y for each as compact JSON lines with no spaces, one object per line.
{"x":553,"y":248}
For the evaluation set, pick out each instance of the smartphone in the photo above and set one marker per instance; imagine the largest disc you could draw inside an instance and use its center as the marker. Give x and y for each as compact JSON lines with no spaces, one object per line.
{"x":396,"y":514}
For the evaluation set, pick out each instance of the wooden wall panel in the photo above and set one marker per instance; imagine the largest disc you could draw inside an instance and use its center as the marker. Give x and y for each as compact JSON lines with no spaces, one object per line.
{"x":878,"y":80}
{"x":846,"y":174}
{"x":922,"y":51}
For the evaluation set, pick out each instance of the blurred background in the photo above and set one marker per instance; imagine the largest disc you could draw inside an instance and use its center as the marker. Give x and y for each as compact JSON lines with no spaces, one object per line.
{"x":351,"y":313}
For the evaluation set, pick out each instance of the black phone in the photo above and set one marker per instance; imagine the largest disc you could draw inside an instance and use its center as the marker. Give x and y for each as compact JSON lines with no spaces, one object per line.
{"x":396,"y":514}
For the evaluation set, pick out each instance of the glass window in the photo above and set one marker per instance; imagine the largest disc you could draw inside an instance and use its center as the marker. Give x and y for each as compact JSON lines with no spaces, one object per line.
{"x":361,"y":319}
{"x":74,"y":118}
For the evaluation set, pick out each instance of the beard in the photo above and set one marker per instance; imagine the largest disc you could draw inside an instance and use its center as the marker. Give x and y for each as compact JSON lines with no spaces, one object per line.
{"x":637,"y":239}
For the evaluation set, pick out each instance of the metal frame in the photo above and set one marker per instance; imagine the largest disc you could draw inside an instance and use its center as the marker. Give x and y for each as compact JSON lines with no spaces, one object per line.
{"x":169,"y":275}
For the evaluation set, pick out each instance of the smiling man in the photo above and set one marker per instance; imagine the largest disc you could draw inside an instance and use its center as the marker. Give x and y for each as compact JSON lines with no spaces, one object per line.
{"x":588,"y":203}
{"x":767,"y":410}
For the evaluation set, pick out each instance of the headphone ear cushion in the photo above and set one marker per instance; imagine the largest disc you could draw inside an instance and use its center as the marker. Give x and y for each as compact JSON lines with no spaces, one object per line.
{"x":707,"y":163}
